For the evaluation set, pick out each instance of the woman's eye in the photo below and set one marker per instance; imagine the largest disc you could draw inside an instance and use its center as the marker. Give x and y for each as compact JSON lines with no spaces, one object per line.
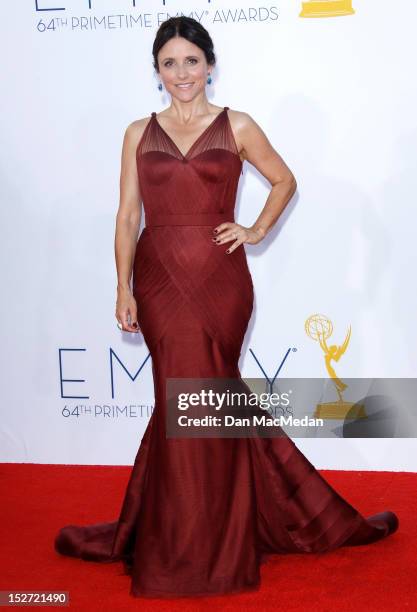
{"x":168,"y":63}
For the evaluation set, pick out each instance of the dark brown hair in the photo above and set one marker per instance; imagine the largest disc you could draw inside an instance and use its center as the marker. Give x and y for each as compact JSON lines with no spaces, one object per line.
{"x":188,"y":28}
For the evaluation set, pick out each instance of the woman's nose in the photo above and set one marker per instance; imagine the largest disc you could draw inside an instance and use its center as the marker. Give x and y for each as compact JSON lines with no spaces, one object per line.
{"x":182,"y":72}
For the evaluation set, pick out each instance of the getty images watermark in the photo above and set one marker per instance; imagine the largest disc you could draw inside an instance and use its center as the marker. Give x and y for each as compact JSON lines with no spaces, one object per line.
{"x":296,"y":407}
{"x":229,"y":407}
{"x":208,"y":398}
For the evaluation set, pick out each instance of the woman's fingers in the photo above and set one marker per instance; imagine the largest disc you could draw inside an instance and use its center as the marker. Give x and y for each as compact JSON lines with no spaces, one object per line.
{"x":221,"y":227}
{"x":234,"y":246}
{"x":228,"y":233}
{"x":225,"y":234}
{"x":124,"y":320}
{"x":134,"y":319}
{"x":128,"y":320}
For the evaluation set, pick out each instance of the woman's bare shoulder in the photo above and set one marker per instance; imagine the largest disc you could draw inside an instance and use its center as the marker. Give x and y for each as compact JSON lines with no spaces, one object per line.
{"x":240,"y":120}
{"x":135,"y":129}
{"x":243,"y":127}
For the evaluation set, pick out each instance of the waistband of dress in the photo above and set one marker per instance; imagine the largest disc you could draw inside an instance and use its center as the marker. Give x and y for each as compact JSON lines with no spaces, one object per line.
{"x":161,"y":219}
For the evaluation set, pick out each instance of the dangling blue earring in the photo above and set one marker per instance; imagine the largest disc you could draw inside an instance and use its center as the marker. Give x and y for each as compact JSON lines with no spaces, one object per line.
{"x":160,"y":86}
{"x":209,"y":79}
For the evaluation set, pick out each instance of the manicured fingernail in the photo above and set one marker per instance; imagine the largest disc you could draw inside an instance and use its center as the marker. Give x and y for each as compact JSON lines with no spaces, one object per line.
{"x":228,"y":251}
{"x":134,"y":324}
{"x":215,"y":231}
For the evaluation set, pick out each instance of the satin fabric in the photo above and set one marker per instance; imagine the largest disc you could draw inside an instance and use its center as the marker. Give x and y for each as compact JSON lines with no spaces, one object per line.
{"x":199,"y":516}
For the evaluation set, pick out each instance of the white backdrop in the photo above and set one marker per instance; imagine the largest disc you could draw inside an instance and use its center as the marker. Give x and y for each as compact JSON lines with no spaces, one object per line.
{"x":336,"y":96}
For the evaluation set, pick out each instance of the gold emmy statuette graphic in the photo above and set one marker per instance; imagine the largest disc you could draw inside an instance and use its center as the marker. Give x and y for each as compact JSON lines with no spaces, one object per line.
{"x":319,"y":328}
{"x":326,"y":8}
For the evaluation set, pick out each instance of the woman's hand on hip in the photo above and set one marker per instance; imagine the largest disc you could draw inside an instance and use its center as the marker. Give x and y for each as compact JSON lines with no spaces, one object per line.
{"x":226,"y":232}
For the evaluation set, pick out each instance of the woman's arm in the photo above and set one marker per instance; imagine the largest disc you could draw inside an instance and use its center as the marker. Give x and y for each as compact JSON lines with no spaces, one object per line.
{"x":127,"y":226}
{"x":255,"y":147}
{"x":260,"y":153}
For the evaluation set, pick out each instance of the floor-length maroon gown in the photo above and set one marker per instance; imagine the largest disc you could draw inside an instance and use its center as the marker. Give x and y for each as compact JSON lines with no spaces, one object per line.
{"x":200,"y":515}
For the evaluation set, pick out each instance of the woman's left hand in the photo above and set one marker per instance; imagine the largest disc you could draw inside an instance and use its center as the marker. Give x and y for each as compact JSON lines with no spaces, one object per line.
{"x":226,"y":232}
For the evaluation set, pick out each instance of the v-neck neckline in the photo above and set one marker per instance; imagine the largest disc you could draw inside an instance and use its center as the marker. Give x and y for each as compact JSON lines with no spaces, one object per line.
{"x":197,"y":140}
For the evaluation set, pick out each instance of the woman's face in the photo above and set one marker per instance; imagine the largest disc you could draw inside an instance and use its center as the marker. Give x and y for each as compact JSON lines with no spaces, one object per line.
{"x":183,"y":68}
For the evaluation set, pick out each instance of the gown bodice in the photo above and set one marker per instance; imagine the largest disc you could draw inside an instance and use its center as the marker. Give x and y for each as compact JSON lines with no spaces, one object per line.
{"x":195,"y":188}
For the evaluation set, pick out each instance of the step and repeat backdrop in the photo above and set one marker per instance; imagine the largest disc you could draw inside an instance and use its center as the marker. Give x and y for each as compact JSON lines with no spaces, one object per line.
{"x":332,"y":86}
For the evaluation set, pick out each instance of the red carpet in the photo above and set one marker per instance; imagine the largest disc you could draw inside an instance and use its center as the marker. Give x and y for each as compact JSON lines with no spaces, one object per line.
{"x":39,"y":499}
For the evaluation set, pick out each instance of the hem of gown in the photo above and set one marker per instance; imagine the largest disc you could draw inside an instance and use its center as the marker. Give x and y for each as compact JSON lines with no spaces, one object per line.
{"x":155,"y":594}
{"x":381,"y":531}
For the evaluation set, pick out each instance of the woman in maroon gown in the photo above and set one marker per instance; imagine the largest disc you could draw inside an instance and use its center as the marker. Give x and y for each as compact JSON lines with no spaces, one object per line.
{"x":200,"y":515}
